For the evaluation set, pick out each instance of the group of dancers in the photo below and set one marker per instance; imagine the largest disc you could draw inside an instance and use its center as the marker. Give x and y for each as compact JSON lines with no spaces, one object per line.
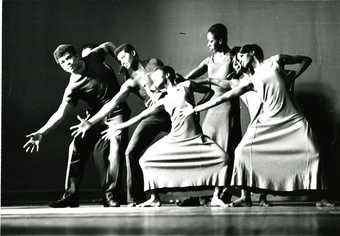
{"x":169,"y":149}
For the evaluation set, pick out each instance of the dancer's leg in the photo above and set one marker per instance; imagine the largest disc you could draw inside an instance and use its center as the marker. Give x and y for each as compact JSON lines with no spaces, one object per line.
{"x":216,"y":200}
{"x":153,"y":201}
{"x":244,"y":200}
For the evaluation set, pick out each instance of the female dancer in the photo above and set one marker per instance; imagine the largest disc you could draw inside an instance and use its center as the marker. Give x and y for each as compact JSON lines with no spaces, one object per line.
{"x":221,"y":123}
{"x":185,"y":157}
{"x":277,"y":153}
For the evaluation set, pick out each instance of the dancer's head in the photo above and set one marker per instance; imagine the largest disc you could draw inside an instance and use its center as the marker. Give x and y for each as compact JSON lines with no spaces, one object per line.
{"x":163,"y":76}
{"x":127,"y":56}
{"x":217,"y":38}
{"x":67,"y":57}
{"x":249,"y":53}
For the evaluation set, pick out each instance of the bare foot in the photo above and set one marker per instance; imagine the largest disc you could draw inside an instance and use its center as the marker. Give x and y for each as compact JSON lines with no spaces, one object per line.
{"x":131,"y":204}
{"x":263,"y":201}
{"x":242,"y":201}
{"x":226,"y":195}
{"x":324,"y":203}
{"x":216,"y":202}
{"x":150,"y":203}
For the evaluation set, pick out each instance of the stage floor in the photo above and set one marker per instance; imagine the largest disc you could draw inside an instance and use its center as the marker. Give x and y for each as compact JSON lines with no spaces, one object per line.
{"x":96,"y":220}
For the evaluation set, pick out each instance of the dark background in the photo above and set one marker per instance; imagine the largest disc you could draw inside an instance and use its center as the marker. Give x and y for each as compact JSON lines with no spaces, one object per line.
{"x":174,"y":31}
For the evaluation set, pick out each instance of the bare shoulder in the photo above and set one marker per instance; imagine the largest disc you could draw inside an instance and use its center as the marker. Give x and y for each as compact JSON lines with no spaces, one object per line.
{"x":186,"y":83}
{"x":273,"y":61}
{"x":76,"y":80}
{"x":205,"y":61}
{"x":155,"y":61}
{"x":282,"y":58}
{"x":129,"y":84}
{"x":153,"y":64}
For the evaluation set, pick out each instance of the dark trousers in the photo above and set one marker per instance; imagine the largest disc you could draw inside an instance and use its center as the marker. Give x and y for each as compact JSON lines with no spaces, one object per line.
{"x":106,"y":154}
{"x":148,"y":131}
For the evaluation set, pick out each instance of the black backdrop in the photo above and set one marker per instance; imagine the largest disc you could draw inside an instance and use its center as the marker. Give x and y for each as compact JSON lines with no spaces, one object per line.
{"x":175,"y":31}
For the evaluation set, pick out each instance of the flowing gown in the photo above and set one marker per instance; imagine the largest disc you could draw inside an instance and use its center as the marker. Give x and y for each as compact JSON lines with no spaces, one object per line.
{"x":277,"y":152}
{"x":222,"y":123}
{"x":185,"y":157}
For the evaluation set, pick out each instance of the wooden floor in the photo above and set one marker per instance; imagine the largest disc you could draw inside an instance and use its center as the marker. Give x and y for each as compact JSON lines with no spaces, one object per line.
{"x":94,"y":220}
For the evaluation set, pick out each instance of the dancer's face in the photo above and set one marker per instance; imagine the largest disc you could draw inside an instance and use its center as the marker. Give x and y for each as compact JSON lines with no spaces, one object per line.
{"x":125,"y":59}
{"x":158,"y":79}
{"x":211,"y":42}
{"x":245,"y":59}
{"x":68,"y":62}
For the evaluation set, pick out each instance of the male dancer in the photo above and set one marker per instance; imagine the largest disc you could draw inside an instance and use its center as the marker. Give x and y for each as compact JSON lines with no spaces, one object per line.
{"x":94,"y":83}
{"x":148,"y":130}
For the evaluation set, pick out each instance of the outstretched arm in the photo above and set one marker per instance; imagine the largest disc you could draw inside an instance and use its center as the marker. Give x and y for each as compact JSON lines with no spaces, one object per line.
{"x":147,"y":112}
{"x":243,"y":86}
{"x":201,"y":69}
{"x":200,"y":88}
{"x":302,"y":61}
{"x":120,"y":97}
{"x":85,"y":124}
{"x":36,"y":137}
{"x":108,"y":47}
{"x":57,"y":117}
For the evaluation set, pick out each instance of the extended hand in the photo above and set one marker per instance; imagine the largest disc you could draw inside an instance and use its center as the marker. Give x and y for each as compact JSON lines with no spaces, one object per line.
{"x":81,"y":128}
{"x":185,"y":112}
{"x":110,"y":132}
{"x":33,"y":142}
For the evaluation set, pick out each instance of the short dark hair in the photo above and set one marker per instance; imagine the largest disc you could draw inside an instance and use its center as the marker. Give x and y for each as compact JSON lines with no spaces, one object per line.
{"x":126,"y":48}
{"x":62,"y":49}
{"x":258,"y":52}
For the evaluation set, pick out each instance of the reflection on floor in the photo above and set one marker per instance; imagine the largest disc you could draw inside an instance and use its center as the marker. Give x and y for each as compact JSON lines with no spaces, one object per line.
{"x":171,"y":220}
